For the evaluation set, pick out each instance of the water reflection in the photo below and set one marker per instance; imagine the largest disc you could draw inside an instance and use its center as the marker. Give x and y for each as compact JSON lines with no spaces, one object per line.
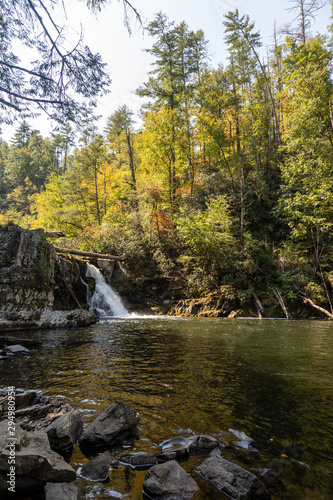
{"x":271,"y":380}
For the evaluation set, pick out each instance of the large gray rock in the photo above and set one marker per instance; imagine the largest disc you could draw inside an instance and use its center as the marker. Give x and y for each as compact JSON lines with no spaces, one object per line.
{"x":97,"y":469}
{"x":64,"y":432}
{"x":233,"y":480}
{"x":169,"y":481}
{"x":35,"y":462}
{"x":61,"y":491}
{"x":112,"y":425}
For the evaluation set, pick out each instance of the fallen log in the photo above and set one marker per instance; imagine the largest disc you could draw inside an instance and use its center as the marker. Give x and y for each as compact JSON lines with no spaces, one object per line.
{"x":54,"y":234}
{"x":90,"y":255}
{"x":309,"y":301}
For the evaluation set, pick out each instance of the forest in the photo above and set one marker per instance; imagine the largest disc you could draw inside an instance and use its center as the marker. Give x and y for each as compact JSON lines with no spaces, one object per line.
{"x":227,"y":184}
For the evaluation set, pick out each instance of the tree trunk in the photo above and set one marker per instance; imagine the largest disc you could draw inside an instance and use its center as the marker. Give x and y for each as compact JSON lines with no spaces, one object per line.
{"x":91,"y":255}
{"x":260,"y":308}
{"x":96,"y":195}
{"x":282,"y":304}
{"x":309,"y":301}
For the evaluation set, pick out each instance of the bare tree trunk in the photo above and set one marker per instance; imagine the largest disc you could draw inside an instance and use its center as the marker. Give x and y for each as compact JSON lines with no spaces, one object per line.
{"x":96,"y":196}
{"x":260,"y":308}
{"x":282,"y":304}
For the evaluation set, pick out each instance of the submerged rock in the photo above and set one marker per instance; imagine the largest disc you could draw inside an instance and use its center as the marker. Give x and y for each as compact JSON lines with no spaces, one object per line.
{"x":114,"y":424}
{"x":61,"y":491}
{"x":35,"y":462}
{"x":139,"y":460}
{"x":98,"y":468}
{"x":233,"y":480}
{"x":169,"y":481}
{"x":64,"y":432}
{"x":180,"y":447}
{"x":16,"y":349}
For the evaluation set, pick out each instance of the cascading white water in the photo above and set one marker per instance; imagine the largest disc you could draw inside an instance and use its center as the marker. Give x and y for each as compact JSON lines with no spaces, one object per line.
{"x":104,"y":302}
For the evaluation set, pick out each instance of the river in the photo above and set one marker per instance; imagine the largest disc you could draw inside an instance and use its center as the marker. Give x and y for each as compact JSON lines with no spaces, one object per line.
{"x":271,"y":379}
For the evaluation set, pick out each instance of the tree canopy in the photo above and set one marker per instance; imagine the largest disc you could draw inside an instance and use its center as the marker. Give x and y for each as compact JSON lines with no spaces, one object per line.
{"x":64,"y":78}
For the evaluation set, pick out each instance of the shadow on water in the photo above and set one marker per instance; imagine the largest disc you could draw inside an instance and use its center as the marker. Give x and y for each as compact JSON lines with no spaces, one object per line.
{"x":271,"y":380}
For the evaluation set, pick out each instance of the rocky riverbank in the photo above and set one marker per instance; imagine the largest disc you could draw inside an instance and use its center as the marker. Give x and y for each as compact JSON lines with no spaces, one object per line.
{"x":35,"y":435}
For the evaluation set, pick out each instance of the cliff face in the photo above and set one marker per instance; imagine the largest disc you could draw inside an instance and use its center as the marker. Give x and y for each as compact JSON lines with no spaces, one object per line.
{"x":27,"y":265}
{"x":35,"y":284}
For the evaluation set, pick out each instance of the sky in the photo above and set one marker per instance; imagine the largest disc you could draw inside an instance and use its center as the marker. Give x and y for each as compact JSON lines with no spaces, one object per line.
{"x":129,"y":64}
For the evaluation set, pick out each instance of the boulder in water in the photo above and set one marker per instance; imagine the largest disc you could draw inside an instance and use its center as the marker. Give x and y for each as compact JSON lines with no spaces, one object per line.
{"x":144,"y":460}
{"x":232,"y":479}
{"x":64,"y":432}
{"x":16,"y":349}
{"x":169,"y":481}
{"x":98,"y":468}
{"x":114,"y":424}
{"x":61,"y":491}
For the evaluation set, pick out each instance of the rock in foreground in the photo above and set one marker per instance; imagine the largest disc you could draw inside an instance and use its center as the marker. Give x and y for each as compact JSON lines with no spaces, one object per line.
{"x":61,"y":491}
{"x":169,"y":481}
{"x":114,"y":424}
{"x":35,"y":462}
{"x":233,"y":480}
{"x":64,"y":432}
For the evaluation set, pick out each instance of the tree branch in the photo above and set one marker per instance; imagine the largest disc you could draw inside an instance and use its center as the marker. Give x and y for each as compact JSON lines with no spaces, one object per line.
{"x":31,"y":99}
{"x":30,"y":72}
{"x":7,"y":103}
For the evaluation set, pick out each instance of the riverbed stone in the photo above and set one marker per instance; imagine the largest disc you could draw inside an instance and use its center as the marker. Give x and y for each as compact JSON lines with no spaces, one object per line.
{"x":97,"y":469}
{"x":64,"y":432}
{"x":169,"y":481}
{"x":139,"y":460}
{"x":180,"y":447}
{"x":202,"y":443}
{"x":35,"y":462}
{"x":61,"y":491}
{"x":16,"y":349}
{"x":114,"y":424}
{"x":233,"y":480}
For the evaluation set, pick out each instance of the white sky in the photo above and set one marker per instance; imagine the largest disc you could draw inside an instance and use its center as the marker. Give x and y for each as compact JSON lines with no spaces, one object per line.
{"x":127,"y":62}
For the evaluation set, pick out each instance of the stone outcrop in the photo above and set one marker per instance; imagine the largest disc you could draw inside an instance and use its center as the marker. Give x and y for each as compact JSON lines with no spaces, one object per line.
{"x":114,"y":424}
{"x":35,"y":462}
{"x":233,"y":480}
{"x":169,"y":481}
{"x":219,"y":304}
{"x":37,"y":288}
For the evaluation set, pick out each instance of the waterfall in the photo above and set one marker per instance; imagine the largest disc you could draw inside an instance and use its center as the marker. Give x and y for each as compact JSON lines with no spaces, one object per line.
{"x":104,"y":302}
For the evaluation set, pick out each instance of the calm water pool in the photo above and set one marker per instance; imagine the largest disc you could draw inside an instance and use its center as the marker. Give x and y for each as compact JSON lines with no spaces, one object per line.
{"x":271,"y":379}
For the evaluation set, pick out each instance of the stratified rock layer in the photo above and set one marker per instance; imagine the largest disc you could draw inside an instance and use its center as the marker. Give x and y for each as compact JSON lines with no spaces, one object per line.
{"x":37,"y":288}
